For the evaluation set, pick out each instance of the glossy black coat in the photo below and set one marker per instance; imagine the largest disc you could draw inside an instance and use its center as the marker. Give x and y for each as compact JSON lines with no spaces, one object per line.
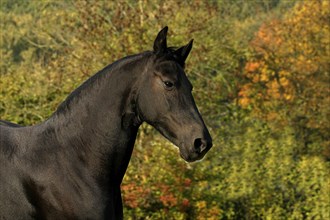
{"x":71,"y":165}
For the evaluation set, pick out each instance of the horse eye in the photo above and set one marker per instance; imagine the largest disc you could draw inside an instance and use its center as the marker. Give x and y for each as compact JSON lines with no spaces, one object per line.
{"x":168,"y":84}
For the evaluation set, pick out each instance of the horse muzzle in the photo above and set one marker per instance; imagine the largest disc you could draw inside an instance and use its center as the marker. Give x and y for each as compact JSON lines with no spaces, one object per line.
{"x":197,"y":151}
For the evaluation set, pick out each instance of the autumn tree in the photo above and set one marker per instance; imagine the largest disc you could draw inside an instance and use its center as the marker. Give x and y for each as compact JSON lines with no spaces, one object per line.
{"x":288,"y":75}
{"x":47,"y":48}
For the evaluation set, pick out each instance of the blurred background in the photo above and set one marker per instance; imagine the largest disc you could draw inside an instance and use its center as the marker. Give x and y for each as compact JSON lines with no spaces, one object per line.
{"x":260,"y":71}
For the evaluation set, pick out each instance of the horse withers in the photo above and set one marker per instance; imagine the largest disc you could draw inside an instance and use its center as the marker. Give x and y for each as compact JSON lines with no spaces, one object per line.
{"x":71,"y":165}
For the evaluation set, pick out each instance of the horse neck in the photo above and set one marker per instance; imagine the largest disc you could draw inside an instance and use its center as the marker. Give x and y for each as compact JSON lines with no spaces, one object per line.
{"x":98,"y":124}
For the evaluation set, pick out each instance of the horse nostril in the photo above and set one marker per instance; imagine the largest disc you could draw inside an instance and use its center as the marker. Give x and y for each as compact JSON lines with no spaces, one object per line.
{"x":200,"y":145}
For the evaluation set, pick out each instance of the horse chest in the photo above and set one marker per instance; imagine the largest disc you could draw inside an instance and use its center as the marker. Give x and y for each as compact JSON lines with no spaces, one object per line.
{"x":65,"y":196}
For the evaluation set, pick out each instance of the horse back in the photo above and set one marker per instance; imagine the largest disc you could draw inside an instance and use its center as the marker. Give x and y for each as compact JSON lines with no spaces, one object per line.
{"x":8,"y":142}
{"x":8,"y":123}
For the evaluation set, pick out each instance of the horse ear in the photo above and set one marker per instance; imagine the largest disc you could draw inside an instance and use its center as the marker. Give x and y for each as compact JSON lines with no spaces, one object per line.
{"x":160,"y":44}
{"x":184,"y":51}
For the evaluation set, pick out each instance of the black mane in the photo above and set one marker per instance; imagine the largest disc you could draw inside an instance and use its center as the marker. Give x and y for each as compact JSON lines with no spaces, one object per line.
{"x":94,"y":80}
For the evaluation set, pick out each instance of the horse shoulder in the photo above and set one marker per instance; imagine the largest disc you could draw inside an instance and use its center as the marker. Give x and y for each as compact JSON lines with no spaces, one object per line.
{"x":13,"y":201}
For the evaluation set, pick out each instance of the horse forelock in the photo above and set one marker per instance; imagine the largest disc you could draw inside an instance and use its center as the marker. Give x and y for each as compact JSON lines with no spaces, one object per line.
{"x":170,"y":55}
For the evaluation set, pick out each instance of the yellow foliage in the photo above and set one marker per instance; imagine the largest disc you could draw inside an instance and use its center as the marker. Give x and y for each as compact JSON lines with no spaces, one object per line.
{"x":291,"y":65}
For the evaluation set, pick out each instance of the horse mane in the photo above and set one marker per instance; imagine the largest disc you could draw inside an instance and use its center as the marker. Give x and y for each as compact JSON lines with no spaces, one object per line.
{"x":95,"y":79}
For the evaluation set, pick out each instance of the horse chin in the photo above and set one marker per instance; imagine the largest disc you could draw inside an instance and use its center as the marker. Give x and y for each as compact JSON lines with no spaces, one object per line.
{"x":191,"y":157}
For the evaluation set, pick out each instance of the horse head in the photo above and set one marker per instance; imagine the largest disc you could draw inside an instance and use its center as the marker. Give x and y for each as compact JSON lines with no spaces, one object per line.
{"x":165,"y":100}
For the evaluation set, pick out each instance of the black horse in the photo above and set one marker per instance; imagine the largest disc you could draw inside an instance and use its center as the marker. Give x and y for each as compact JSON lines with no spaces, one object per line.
{"x":71,"y":165}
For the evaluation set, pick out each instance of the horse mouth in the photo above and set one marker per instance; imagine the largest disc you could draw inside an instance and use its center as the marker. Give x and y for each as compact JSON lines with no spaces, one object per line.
{"x":192,"y":157}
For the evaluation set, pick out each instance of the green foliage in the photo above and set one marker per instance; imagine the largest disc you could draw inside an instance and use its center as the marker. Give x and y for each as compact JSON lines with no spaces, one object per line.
{"x":262,"y":176}
{"x":258,"y":168}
